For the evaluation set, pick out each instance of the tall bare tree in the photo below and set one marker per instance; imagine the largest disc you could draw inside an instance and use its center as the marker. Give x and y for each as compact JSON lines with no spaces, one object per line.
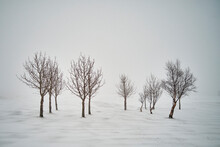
{"x":94,"y":82}
{"x":179,"y":83}
{"x":53,"y":67}
{"x":59,"y":85}
{"x":153,"y":91}
{"x":36,"y":76}
{"x":125,"y":89}
{"x":78,"y":82}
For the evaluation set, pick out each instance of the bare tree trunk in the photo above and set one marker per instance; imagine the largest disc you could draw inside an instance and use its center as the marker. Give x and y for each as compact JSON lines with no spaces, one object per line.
{"x":179,"y":105}
{"x":50,"y":106}
{"x":153,"y":106}
{"x":150,"y":109}
{"x":89,"y":109}
{"x":125,"y":104}
{"x":172,"y":110}
{"x":145,"y":104}
{"x":141,"y":107}
{"x":83,"y":108}
{"x":41,"y":106}
{"x":56,"y":103}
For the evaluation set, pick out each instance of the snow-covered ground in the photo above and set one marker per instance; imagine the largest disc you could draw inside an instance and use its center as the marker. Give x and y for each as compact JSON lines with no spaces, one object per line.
{"x":197,"y":124}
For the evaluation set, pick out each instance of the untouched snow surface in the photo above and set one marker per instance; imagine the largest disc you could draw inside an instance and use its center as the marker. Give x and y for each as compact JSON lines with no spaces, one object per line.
{"x":197,"y":124}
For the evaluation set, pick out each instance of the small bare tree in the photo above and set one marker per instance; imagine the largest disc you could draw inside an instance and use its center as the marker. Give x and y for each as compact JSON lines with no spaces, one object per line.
{"x":125,"y":89}
{"x":94,"y":82}
{"x":59,"y":85}
{"x":36,"y":76}
{"x":150,"y":98}
{"x":153,"y":90}
{"x":143,"y":97}
{"x":53,"y":67}
{"x":157,"y":92}
{"x":178,"y":84}
{"x":78,"y":82}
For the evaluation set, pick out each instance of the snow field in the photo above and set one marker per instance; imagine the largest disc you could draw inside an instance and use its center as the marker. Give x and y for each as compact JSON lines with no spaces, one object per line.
{"x":197,"y":124}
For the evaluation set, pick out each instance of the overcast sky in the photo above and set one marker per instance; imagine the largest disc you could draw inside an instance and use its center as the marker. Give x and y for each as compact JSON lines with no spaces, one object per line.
{"x":132,"y":37}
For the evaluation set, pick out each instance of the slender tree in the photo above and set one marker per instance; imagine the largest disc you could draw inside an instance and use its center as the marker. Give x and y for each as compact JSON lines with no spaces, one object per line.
{"x":153,"y":90}
{"x":157,"y":92}
{"x":179,"y":83}
{"x":125,"y":89}
{"x":78,"y":82}
{"x":94,"y":82}
{"x":150,"y":98}
{"x":36,"y":76}
{"x":59,"y":85}
{"x":53,"y":67}
{"x":143,"y":97}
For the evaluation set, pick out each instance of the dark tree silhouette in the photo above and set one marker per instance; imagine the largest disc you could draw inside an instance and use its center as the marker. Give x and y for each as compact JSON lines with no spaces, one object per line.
{"x":78,"y":82}
{"x":125,"y":89}
{"x":179,"y":83}
{"x":36,"y":76}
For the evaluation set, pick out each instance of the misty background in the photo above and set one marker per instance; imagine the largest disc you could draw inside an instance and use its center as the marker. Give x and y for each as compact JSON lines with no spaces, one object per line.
{"x":132,"y":37}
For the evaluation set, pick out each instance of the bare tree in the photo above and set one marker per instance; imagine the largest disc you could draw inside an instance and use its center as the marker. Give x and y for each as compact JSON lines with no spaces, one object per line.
{"x":178,"y":84}
{"x":59,"y":85}
{"x":157,"y":92}
{"x":150,"y":98}
{"x":94,"y":82}
{"x":143,"y":97}
{"x":36,"y":76}
{"x":78,"y":82}
{"x":53,"y":67}
{"x":153,"y":90}
{"x":125,"y":89}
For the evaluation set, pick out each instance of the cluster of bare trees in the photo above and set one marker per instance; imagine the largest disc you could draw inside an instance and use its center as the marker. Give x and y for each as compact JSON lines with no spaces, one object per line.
{"x":179,"y":83}
{"x":84,"y":80}
{"x":43,"y":74}
{"x":152,"y":91}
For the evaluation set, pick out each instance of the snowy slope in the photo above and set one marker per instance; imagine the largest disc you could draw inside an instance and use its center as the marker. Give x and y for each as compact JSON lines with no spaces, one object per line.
{"x":197,"y":124}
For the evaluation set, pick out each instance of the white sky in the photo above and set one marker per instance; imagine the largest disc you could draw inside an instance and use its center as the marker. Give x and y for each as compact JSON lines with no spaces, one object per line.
{"x":132,"y":37}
